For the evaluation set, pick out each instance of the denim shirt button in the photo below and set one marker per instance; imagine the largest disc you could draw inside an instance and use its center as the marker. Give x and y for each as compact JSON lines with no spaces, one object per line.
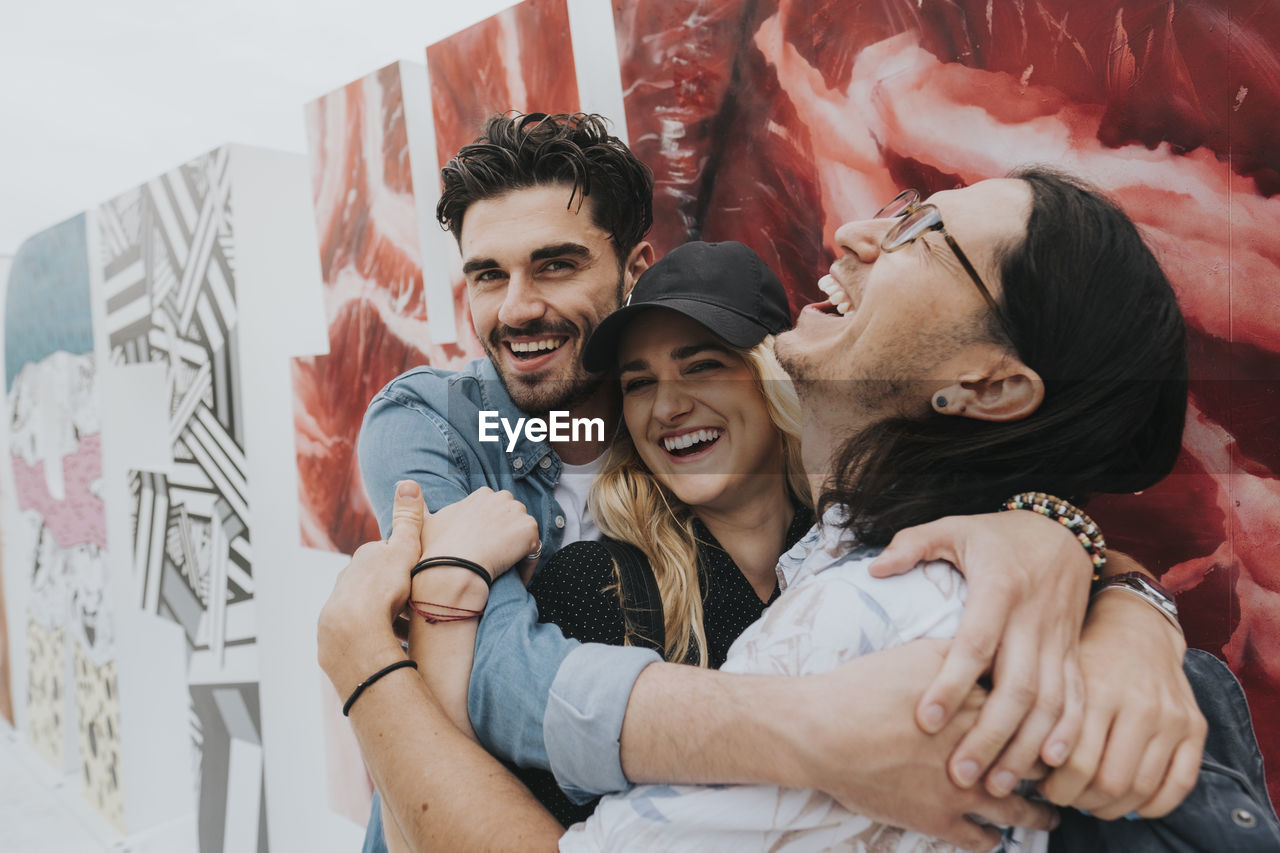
{"x":1244,"y":818}
{"x":560,"y":521}
{"x":517,"y":463}
{"x":545,"y":463}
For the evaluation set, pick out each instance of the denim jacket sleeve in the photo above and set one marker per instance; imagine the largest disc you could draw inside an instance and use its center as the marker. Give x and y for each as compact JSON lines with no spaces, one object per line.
{"x":532,"y":689}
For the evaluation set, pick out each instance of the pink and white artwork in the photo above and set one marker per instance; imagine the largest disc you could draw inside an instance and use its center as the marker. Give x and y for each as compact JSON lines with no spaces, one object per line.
{"x":73,"y":715}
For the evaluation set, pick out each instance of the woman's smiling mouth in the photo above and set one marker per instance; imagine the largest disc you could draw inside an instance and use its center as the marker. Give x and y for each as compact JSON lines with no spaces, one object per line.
{"x":691,"y":442}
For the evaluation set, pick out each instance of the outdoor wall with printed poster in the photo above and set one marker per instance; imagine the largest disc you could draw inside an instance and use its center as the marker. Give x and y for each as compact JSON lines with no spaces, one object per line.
{"x":773,"y":122}
{"x":765,"y":121}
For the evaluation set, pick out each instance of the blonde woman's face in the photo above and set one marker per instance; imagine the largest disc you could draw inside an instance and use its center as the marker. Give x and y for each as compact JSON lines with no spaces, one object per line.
{"x":695,"y":412}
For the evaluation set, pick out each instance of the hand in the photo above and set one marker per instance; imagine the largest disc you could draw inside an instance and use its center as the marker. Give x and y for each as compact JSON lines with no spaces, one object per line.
{"x":1028,"y":583}
{"x":1143,"y":731}
{"x":490,"y":528}
{"x":894,"y":772}
{"x":354,"y":631}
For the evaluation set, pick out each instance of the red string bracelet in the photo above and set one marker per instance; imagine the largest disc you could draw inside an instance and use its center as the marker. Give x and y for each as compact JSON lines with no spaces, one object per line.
{"x":452,"y":614}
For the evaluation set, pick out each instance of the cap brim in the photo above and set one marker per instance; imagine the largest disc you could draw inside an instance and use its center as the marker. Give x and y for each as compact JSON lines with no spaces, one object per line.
{"x":601,"y":351}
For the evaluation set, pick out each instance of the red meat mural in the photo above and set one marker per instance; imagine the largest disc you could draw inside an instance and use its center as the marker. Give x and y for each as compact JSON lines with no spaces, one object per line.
{"x":773,"y":122}
{"x":519,"y":59}
{"x":369,"y":222}
{"x":371,"y":261}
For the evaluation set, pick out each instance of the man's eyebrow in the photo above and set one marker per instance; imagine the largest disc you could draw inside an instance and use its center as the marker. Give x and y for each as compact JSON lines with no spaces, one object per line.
{"x":678,"y":354}
{"x":560,"y":250}
{"x":477,"y":264}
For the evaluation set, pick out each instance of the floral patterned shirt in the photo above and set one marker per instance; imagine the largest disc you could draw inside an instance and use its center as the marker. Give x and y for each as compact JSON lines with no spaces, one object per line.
{"x":831,"y":610}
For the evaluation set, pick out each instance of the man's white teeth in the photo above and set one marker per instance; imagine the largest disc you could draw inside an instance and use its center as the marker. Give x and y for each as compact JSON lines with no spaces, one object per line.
{"x":689,"y":439}
{"x":835,"y":293}
{"x":535,"y":346}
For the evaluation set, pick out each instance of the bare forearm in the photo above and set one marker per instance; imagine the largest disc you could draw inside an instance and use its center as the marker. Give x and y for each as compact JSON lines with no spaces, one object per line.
{"x":445,"y":650}
{"x":849,"y":732}
{"x":690,"y":725}
{"x":442,"y":789}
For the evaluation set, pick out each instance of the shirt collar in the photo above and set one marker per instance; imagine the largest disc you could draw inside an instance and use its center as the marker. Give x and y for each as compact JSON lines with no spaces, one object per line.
{"x":825,"y":541}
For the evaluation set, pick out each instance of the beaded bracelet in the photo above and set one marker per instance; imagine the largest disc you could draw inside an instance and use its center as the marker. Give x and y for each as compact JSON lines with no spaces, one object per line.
{"x":1069,"y":516}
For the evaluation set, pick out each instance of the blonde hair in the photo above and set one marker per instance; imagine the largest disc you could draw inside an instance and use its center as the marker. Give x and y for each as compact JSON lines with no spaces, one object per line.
{"x":629,"y":504}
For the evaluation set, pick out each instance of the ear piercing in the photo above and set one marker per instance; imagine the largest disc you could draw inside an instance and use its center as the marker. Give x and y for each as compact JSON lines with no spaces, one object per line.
{"x":941,"y":402}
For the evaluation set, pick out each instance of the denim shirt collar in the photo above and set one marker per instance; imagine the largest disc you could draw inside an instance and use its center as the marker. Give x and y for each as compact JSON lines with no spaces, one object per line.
{"x":527,"y":456}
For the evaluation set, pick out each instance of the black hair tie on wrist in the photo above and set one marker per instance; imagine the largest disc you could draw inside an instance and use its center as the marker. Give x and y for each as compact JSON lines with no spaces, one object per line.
{"x":459,"y":562}
{"x":360,"y":688}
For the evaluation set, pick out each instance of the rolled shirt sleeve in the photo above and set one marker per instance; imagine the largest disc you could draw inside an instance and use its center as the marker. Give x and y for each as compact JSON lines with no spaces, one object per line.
{"x":584,"y":713}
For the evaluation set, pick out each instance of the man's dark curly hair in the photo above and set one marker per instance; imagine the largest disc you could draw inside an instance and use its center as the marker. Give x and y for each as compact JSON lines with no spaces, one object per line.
{"x":515,"y":152}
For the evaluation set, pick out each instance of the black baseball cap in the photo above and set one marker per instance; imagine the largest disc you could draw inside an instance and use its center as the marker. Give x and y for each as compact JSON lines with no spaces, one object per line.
{"x":724,"y":286}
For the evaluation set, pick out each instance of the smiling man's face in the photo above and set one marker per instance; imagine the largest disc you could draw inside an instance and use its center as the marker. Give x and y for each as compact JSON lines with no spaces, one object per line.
{"x":906,"y":314}
{"x":540,"y":276}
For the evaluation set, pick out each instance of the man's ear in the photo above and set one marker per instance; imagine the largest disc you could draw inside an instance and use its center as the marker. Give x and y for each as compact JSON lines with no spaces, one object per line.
{"x":1004,"y":389}
{"x":640,"y":259}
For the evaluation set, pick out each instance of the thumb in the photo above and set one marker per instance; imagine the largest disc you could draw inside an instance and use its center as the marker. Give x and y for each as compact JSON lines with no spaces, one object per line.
{"x":912,"y":546}
{"x":406,"y":517}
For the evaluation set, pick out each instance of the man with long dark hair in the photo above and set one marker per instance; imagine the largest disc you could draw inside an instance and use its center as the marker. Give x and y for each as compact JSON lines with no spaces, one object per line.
{"x":958,"y":363}
{"x":550,"y":213}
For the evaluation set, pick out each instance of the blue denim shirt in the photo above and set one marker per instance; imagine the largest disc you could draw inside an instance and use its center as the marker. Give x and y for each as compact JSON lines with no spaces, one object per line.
{"x":536,"y":698}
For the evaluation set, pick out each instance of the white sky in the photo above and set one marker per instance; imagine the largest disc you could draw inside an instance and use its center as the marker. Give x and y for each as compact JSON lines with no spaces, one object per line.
{"x":100,"y":96}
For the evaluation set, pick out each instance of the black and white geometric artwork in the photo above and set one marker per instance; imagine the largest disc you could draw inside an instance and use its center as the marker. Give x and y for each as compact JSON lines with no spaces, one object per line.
{"x":168,"y":273}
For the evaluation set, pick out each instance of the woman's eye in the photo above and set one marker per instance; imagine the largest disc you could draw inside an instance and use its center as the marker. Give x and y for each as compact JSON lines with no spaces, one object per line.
{"x":635,"y":385}
{"x":703,"y":366}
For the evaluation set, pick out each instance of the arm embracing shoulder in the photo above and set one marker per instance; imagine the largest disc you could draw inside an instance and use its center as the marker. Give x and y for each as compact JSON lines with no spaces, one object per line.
{"x":404,"y":438}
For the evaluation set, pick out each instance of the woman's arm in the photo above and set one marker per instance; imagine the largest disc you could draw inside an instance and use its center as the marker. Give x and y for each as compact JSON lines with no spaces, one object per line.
{"x":444,"y":650}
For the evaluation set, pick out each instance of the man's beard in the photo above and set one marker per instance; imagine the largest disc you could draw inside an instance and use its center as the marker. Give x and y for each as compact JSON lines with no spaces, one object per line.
{"x":536,"y":395}
{"x":790,"y":362}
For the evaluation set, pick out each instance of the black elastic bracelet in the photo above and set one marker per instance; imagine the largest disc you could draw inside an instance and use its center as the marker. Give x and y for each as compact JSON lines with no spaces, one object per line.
{"x":360,"y":688}
{"x":460,"y":562}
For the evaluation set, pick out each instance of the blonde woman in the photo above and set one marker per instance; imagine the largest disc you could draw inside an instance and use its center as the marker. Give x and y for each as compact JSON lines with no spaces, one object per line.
{"x":702,"y":489}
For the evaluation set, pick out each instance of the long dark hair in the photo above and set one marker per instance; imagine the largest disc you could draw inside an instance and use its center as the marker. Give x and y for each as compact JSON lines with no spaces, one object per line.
{"x":1091,"y":312}
{"x":517,"y":152}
